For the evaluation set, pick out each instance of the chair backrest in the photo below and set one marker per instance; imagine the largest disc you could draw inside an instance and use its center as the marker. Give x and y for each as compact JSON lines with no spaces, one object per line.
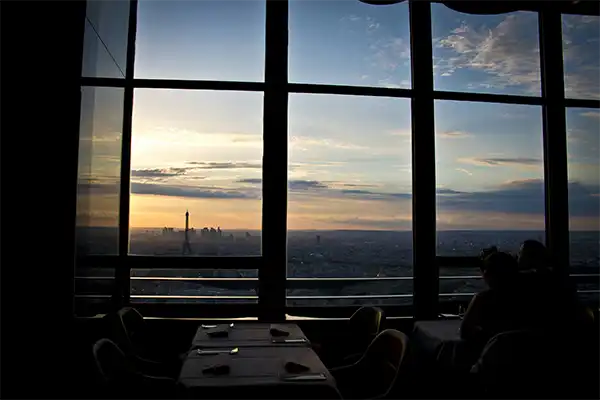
{"x":122,"y":380}
{"x":126,"y":325}
{"x":382,"y":362}
{"x":111,"y":362}
{"x":523,"y":360}
{"x":366,"y":323}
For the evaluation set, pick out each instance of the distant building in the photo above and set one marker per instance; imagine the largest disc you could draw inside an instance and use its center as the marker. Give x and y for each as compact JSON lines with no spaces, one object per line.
{"x":186,"y":248}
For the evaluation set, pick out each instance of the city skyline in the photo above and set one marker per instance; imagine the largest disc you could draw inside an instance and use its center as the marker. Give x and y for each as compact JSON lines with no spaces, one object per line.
{"x":349,"y":157}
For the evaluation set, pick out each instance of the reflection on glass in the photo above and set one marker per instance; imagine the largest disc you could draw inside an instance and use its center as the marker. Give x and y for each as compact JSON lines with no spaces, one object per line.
{"x":489,"y":169}
{"x":581,"y":54}
{"x":583,"y":143}
{"x":196,"y":167}
{"x":349,"y":199}
{"x":209,"y":40}
{"x":486,"y":53}
{"x":99,"y":170}
{"x":193,"y":286}
{"x":105,"y":39}
{"x":349,"y":43}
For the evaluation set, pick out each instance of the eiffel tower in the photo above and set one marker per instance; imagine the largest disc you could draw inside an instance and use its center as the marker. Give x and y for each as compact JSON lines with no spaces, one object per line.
{"x":187,"y":248}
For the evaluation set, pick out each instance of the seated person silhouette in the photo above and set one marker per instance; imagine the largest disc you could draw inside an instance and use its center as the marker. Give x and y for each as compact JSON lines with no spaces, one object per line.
{"x":552,"y":295}
{"x":497,"y":308}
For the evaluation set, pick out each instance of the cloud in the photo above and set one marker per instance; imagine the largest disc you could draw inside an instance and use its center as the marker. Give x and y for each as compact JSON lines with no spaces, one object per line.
{"x":254,"y":181}
{"x":507,"y":52}
{"x":501,"y":161}
{"x":157,"y":173}
{"x":454,"y":135}
{"x":304,"y":142}
{"x":186,"y":191}
{"x":224,"y":165}
{"x":591,"y":114}
{"x":443,"y":191}
{"x":371,"y":195}
{"x":305,"y":185}
{"x":355,"y":185}
{"x":390,"y":53}
{"x":521,"y":197}
{"x":464,"y":171}
{"x":582,"y":70}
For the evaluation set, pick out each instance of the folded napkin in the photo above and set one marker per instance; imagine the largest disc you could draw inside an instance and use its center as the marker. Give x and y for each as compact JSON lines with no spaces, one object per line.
{"x":219,"y":369}
{"x":296,"y":368}
{"x":278,"y":332}
{"x":218,"y":333}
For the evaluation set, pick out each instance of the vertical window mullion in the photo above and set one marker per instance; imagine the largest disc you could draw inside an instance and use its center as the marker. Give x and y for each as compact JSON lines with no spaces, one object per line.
{"x":554,"y":137}
{"x":272,"y":274}
{"x":123,"y":268}
{"x":425,"y":270}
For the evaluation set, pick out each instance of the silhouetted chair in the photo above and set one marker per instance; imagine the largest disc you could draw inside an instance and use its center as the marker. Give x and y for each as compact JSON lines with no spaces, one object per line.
{"x":364,"y":325}
{"x":377,"y":373}
{"x":128,"y":331}
{"x":120,"y":379}
{"x":522,"y":364}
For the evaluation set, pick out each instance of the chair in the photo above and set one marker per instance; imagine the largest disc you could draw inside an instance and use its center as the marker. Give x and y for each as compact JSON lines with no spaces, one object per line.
{"x":127,"y":330}
{"x":364,"y":325}
{"x":120,"y":379}
{"x":376,"y":374}
{"x":521,"y":364}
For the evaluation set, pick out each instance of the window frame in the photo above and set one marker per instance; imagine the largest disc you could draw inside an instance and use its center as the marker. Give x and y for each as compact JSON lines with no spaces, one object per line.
{"x":272,"y":263}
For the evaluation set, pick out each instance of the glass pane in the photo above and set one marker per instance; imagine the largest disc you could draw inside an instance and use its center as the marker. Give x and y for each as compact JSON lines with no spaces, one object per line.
{"x":196,"y":168}
{"x":209,"y":40}
{"x":581,"y":47}
{"x":194,"y":286}
{"x":105,"y":39}
{"x":490,"y":192}
{"x":349,"y":199}
{"x":349,"y":43}
{"x":489,"y":169}
{"x":486,"y":53}
{"x":99,"y":170}
{"x":583,"y":144}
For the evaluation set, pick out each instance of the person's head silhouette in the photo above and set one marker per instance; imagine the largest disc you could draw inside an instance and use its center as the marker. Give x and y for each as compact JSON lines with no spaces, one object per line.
{"x":533,"y":255}
{"x":499,"y":270}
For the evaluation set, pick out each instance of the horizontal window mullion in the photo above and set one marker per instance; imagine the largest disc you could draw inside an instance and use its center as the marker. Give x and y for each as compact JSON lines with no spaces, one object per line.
{"x":349,"y":90}
{"x":487,"y":98}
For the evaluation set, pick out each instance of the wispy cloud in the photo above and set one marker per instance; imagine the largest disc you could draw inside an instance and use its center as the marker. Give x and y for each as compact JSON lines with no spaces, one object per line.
{"x":502,"y":161}
{"x":464,"y":171}
{"x":507,"y":52}
{"x":582,"y":70}
{"x":454,"y":135}
{"x":305,"y":142}
{"x":158,"y":173}
{"x":186,"y":191}
{"x":591,"y":114}
{"x":253,"y":181}
{"x":224,"y":165}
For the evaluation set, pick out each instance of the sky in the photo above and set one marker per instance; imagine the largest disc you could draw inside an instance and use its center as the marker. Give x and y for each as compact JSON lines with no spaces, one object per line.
{"x":349,"y":156}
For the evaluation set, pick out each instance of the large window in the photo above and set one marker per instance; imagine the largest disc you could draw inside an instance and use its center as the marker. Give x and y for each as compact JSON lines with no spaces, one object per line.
{"x":273,"y":156}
